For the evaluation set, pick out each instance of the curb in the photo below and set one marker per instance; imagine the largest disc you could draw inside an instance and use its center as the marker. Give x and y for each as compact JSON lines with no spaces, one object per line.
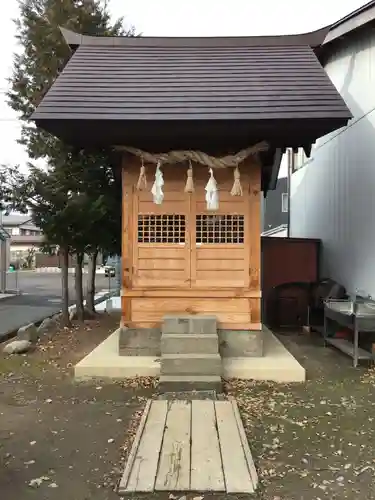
{"x":10,"y":296}
{"x":100,"y":297}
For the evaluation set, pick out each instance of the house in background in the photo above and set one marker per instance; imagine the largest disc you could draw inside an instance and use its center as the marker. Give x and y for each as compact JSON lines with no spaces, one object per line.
{"x":332,"y":193}
{"x":24,"y":235}
{"x":275,"y":210}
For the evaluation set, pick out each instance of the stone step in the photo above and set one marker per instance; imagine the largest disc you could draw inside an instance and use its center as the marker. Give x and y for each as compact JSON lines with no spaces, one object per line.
{"x":191,"y":364}
{"x":189,"y":324}
{"x":174,"y":383}
{"x":186,"y":343}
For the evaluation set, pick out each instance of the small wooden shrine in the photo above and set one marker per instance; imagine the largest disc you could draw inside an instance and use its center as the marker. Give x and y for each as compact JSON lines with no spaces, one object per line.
{"x":199,"y":126}
{"x":196,"y":250}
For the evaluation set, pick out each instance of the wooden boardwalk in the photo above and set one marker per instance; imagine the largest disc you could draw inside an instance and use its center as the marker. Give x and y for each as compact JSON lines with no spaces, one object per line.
{"x":190,"y":446}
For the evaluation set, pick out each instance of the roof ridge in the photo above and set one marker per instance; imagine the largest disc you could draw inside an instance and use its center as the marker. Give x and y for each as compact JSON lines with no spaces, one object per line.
{"x":313,"y":38}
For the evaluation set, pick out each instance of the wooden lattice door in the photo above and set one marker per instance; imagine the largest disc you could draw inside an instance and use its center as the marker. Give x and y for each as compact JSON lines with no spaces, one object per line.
{"x":180,"y":244}
{"x":161,"y":251}
{"x":220,"y":255}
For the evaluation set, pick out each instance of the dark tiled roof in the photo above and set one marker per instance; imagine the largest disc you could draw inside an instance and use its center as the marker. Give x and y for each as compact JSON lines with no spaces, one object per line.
{"x":159,"y":79}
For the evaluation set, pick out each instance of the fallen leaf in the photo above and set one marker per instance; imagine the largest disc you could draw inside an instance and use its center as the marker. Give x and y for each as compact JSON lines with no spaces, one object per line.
{"x":35,"y":483}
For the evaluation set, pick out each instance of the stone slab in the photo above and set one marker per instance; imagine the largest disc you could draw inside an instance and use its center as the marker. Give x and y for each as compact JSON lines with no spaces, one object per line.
{"x":185,"y":343}
{"x":277,"y":364}
{"x":198,"y":448}
{"x":191,"y":364}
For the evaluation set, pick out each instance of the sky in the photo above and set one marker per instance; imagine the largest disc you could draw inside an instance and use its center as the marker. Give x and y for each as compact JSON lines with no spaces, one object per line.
{"x":178,"y":18}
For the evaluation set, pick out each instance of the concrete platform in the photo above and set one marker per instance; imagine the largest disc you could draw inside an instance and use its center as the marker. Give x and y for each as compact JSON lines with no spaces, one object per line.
{"x":277,"y":364}
{"x":196,"y":445}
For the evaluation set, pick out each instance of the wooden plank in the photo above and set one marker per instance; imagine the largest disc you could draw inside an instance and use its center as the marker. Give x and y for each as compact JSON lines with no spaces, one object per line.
{"x":236,"y":473}
{"x":233,"y":207}
{"x":206,"y":465}
{"x":143,"y":474}
{"x":223,"y":326}
{"x":162,"y":275}
{"x":127,"y":237}
{"x":166,"y":283}
{"x":167,"y":207}
{"x":255,"y":309}
{"x":254,"y":226}
{"x":196,"y":306}
{"x":236,"y":252}
{"x":192,"y":237}
{"x":248,"y":235}
{"x":172,"y":293}
{"x":157,"y":315}
{"x":220,"y":265}
{"x":133,"y":452}
{"x":218,"y":276}
{"x":169,"y":195}
{"x":174,"y":464}
{"x":245,"y":444}
{"x":147,"y":251}
{"x":164,"y":264}
{"x":224,"y":194}
{"x":126,"y":308}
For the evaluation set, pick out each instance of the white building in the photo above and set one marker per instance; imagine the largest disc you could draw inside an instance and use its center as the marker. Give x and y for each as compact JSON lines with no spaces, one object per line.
{"x":333,"y":193}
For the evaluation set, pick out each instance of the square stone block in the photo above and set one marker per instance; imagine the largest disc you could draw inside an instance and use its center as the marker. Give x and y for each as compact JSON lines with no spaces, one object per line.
{"x":189,"y":324}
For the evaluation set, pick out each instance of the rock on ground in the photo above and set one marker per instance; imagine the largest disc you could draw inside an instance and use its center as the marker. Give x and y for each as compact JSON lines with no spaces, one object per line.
{"x":17,"y":347}
{"x":28,"y":332}
{"x":47,"y":325}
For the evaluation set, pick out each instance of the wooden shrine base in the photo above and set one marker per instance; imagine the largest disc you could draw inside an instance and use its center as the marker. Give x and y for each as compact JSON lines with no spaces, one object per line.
{"x":197,"y":445}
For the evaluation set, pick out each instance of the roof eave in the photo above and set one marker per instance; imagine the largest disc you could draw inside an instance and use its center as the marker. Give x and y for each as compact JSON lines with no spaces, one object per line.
{"x":350,"y":23}
{"x":312,"y":39}
{"x":72,"y":39}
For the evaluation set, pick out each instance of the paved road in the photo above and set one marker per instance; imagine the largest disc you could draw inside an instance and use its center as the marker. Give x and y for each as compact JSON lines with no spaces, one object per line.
{"x":41,"y":297}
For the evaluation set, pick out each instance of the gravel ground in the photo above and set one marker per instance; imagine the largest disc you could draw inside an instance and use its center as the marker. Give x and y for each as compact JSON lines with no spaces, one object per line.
{"x":60,"y":439}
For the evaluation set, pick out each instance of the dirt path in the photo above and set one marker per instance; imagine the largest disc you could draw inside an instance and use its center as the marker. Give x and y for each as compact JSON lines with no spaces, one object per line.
{"x":60,"y":440}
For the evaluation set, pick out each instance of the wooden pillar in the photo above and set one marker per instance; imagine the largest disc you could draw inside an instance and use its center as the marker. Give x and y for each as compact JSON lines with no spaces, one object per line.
{"x":255,"y":232}
{"x":127,"y":242}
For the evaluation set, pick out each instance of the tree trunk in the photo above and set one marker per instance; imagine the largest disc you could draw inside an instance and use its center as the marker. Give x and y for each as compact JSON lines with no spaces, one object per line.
{"x":79,"y":287}
{"x":91,"y":283}
{"x":65,"y":286}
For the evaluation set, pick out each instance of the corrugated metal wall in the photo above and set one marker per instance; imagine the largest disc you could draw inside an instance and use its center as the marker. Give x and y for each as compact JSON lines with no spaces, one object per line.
{"x":333,"y":196}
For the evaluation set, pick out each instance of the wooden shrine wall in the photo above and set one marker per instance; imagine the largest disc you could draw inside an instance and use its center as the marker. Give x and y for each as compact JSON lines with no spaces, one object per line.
{"x":179,"y":258}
